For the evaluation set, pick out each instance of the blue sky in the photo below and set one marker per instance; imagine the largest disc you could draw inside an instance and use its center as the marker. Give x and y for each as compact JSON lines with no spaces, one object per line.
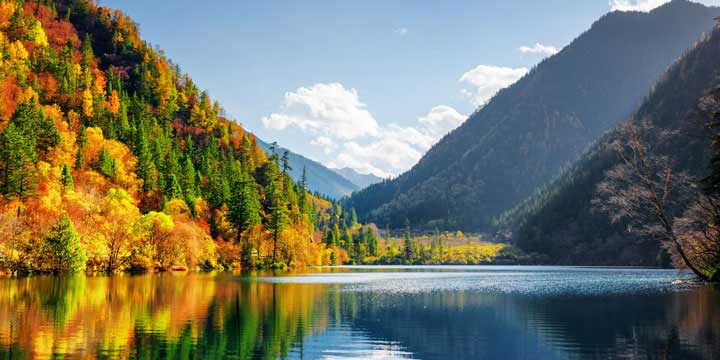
{"x":366,"y":84}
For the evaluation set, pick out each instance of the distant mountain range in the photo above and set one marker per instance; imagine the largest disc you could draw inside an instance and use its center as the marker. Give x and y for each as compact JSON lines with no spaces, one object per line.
{"x":531,"y":130}
{"x":361,"y":180}
{"x":335,"y":183}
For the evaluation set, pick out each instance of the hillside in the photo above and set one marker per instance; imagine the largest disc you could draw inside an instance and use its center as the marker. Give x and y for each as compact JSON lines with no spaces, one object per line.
{"x":528,"y":132}
{"x":112,"y":159}
{"x":319,"y":178}
{"x":561,"y":221}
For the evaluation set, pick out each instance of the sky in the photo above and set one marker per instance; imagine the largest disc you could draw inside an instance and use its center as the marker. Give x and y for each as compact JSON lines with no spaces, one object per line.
{"x":371,"y":84}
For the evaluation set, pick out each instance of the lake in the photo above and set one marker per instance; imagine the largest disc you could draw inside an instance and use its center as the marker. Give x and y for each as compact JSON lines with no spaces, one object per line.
{"x":449,"y":312}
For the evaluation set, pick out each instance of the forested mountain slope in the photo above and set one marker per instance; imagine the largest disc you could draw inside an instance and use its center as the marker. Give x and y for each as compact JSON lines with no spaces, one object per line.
{"x":113,"y":159}
{"x":529,"y":131}
{"x":563,"y":223}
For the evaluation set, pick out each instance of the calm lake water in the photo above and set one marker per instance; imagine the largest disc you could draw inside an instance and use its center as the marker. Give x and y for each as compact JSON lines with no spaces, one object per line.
{"x":458,"y":312}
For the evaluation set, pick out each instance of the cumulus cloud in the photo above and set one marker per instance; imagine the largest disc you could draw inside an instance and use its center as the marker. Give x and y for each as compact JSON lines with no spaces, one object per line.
{"x":486,"y":81}
{"x":539,"y":48}
{"x":322,"y":111}
{"x":327,"y":110}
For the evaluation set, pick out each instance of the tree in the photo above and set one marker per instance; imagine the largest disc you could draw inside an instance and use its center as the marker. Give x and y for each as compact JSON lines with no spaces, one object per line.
{"x":66,"y":178}
{"x":172,"y":188}
{"x":105,"y":164}
{"x":81,"y":142}
{"x":372,"y":241}
{"x":409,"y":245}
{"x":279,"y":218}
{"x":62,"y":249}
{"x":645,"y":190}
{"x":115,"y":224}
{"x":17,"y":165}
{"x":244,"y":205}
{"x":38,"y":129}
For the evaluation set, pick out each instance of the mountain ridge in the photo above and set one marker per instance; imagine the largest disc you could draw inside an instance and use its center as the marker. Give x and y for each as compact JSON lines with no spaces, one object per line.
{"x":543,"y":122}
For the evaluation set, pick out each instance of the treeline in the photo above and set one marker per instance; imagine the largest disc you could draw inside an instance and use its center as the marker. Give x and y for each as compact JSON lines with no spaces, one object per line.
{"x":112,"y":159}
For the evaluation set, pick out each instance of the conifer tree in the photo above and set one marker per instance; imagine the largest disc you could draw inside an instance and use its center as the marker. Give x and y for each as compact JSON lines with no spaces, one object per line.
{"x":62,"y":248}
{"x":172,"y":188}
{"x":105,"y":164}
{"x":244,"y":205}
{"x":66,"y":178}
{"x":17,"y":164}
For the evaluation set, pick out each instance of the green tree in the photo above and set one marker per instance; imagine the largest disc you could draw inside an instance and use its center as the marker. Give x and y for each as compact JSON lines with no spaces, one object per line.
{"x":279,"y":218}
{"x":38,"y":129}
{"x":172,"y":188}
{"x":62,"y":248}
{"x":17,"y":165}
{"x":106,"y":164}
{"x":244,"y":205}
{"x":66,"y":178}
{"x":409,"y":245}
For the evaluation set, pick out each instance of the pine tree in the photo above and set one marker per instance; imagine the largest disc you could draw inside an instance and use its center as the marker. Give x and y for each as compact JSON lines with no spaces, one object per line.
{"x":17,"y":164}
{"x":187,"y":179}
{"x":38,"y":129}
{"x":244,"y":205}
{"x":66,"y":178}
{"x":329,"y":238}
{"x":62,"y":248}
{"x":106,"y":164}
{"x":279,"y":218}
{"x":172,"y":188}
{"x":409,"y":245}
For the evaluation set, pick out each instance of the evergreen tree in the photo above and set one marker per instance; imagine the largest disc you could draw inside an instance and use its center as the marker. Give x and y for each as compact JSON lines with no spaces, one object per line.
{"x":81,"y":142}
{"x":66,"y":178}
{"x":279,"y":218}
{"x":187,"y":179}
{"x":409,"y":245}
{"x":172,"y":188}
{"x":17,"y":164}
{"x":38,"y":129}
{"x":106,"y":164}
{"x":329,"y":238}
{"x":244,"y":205}
{"x":62,"y":248}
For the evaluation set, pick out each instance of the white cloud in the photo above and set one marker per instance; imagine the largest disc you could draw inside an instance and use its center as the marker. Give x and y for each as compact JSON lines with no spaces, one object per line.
{"x":487,"y":81}
{"x":440,"y":120}
{"x":539,"y":48}
{"x":402,"y":31}
{"x":328,"y":111}
{"x":324,"y":142}
{"x":636,"y":5}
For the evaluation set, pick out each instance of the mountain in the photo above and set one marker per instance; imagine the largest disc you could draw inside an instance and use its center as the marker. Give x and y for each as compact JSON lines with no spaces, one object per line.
{"x":561,"y":221}
{"x":529,"y":131}
{"x":319,"y":178}
{"x":361,"y":180}
{"x":111,"y":159}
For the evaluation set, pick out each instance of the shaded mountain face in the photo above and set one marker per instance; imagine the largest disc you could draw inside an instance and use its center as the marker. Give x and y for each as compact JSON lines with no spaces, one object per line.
{"x":561,"y":221}
{"x":319,"y":178}
{"x":361,"y":180}
{"x":528,"y":132}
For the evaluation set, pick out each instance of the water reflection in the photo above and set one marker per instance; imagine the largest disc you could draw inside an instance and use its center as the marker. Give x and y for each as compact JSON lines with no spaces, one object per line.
{"x":452,"y":314}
